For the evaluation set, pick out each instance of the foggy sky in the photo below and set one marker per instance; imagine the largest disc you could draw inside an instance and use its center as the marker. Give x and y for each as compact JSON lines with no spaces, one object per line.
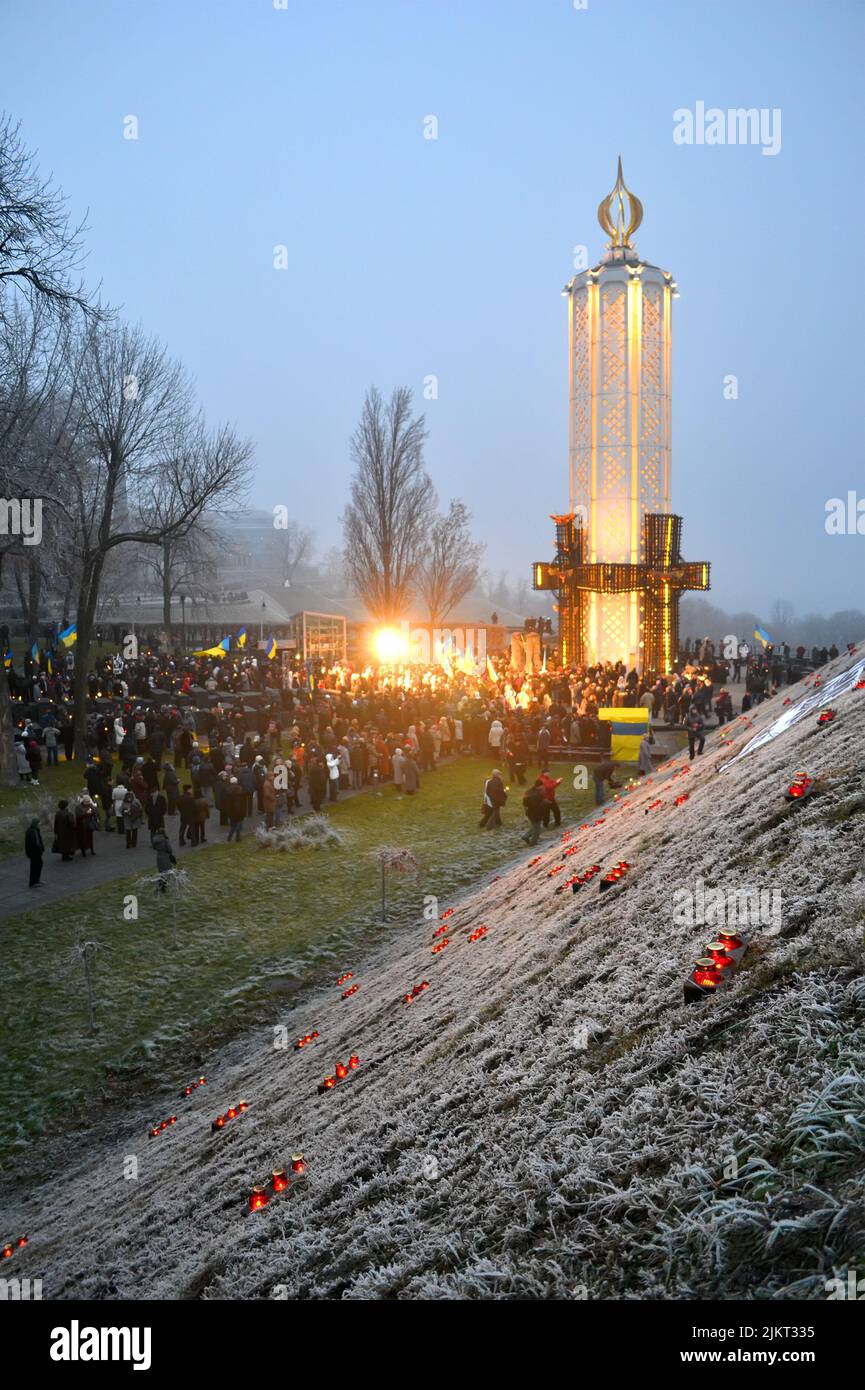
{"x":409,"y":257}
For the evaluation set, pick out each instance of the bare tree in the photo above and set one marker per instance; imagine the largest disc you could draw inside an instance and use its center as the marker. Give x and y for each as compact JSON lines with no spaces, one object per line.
{"x":40,"y":249}
{"x":386,"y":523}
{"x":33,"y":357}
{"x":450,"y":564}
{"x":288,"y":548}
{"x":185,"y":565}
{"x":142,"y":465}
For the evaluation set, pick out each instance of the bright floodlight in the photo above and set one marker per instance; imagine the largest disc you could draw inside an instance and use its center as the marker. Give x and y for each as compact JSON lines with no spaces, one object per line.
{"x":389,"y":645}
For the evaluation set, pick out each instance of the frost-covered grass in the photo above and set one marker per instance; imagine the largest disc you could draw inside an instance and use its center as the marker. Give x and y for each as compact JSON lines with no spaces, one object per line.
{"x":548,"y":1119}
{"x":19,"y":804}
{"x":252,"y":929}
{"x":300,"y":832}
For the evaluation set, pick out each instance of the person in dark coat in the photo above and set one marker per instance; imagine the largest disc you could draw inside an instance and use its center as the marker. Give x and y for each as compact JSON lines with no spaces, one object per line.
{"x":410,"y":775}
{"x":133,"y":812}
{"x":236,"y":806}
{"x":317,"y":778}
{"x":34,"y":758}
{"x":155,"y":808}
{"x":535,"y":803}
{"x":696,"y":732}
{"x":165,"y":860}
{"x":171,"y":787}
{"x":495,"y":797}
{"x":201,"y":815}
{"x":603,"y":772}
{"x":150,"y":774}
{"x":86,"y":820}
{"x":127,"y":752}
{"x":64,"y":831}
{"x":34,"y":848}
{"x":186,"y":806}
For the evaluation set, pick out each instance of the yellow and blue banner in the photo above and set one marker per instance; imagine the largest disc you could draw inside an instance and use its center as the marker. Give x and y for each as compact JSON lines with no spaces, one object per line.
{"x":69,"y":635}
{"x":627,"y":726}
{"x":761,"y":635}
{"x":241,"y":637}
{"x":34,"y":652}
{"x":270,"y":647}
{"x":7,"y":660}
{"x":219,"y":650}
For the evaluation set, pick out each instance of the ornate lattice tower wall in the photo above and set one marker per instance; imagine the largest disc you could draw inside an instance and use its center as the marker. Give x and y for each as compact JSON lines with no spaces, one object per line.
{"x":619,"y":332}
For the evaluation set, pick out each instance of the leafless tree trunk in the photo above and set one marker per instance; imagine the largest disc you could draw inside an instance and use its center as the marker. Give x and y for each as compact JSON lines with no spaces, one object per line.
{"x":386,"y":523}
{"x":144,"y":467}
{"x":450,"y":565}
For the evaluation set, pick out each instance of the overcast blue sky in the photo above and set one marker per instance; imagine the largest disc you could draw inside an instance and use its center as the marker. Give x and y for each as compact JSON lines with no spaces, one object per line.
{"x":303,"y":126}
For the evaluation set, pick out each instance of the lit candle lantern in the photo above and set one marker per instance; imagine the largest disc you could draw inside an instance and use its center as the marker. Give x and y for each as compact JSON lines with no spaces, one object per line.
{"x":730,"y":940}
{"x":354,"y":1061}
{"x":297,"y":1163}
{"x":241,"y":1106}
{"x":718,"y":952}
{"x":706,"y":973}
{"x":258,"y":1199}
{"x":231,"y":1113}
{"x":340,"y":1071}
{"x":21,"y":1242}
{"x":278,"y":1180}
{"x":7,"y":1252}
{"x":219,"y":1122}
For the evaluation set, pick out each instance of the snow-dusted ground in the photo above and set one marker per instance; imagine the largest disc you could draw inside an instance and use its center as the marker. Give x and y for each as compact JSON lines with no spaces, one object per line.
{"x":481,"y":1150}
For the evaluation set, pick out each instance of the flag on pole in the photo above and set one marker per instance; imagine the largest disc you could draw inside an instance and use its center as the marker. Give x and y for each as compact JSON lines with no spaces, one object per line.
{"x":50,"y":665}
{"x":34,"y":652}
{"x":241,"y":637}
{"x":270,"y":647}
{"x":7,"y":660}
{"x":762,"y":636}
{"x":69,"y":635}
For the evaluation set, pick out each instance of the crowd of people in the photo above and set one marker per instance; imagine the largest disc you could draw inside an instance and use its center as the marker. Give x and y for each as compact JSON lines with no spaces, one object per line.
{"x":176,"y":737}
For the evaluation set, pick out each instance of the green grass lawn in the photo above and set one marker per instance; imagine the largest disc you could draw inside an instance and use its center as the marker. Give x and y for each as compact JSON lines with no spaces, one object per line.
{"x":67,"y":779}
{"x":256,"y":926}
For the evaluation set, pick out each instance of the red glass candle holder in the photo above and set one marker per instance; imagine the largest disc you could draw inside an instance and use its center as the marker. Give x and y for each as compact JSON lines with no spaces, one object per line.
{"x":353,"y":1061}
{"x":278,"y":1180}
{"x":730,"y":940}
{"x":706,"y":973}
{"x":718,"y":952}
{"x":298,"y":1164}
{"x":258,"y":1198}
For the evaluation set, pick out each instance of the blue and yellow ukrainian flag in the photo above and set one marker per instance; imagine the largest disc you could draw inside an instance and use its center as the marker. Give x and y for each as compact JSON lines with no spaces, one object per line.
{"x":628,"y":727}
{"x":270,"y":647}
{"x":34,"y":652}
{"x":219,"y":650}
{"x":69,"y":635}
{"x":241,"y":637}
{"x":7,"y":660}
{"x":762,"y":636}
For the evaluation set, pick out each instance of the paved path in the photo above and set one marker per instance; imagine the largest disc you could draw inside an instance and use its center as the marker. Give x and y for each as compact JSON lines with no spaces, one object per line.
{"x":113,"y":860}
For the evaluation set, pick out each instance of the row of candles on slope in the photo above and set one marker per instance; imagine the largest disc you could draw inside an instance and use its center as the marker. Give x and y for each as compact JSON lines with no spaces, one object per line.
{"x":261,"y":1194}
{"x":716,"y":967}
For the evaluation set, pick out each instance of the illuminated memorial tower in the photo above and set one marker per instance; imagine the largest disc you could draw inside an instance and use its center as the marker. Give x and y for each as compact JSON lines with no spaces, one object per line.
{"x":618,"y":569}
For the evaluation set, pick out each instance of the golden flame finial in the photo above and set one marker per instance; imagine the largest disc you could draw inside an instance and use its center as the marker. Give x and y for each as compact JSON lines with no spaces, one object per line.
{"x":622,"y":229}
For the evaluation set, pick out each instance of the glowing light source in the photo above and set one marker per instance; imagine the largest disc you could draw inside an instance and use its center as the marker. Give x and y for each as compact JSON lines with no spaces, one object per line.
{"x":390,"y":646}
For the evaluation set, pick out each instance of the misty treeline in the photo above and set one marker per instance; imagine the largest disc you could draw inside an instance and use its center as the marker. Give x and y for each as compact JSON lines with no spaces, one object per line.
{"x":104,"y":450}
{"x":699,"y":618}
